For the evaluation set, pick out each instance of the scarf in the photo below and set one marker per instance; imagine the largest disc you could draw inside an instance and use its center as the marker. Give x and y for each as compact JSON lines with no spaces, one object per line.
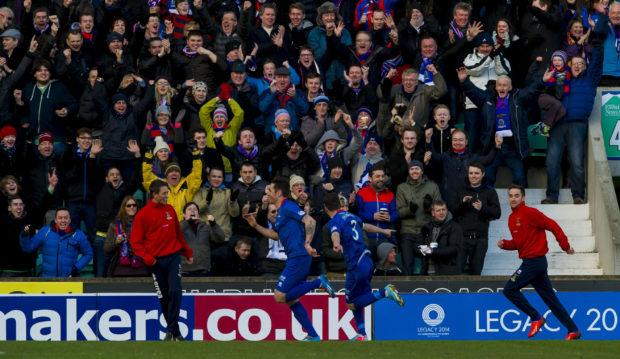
{"x":363,"y":57}
{"x":248,"y":155}
{"x":324,"y":157}
{"x":565,"y":69}
{"x":426,"y":76}
{"x":459,"y":152}
{"x":81,"y":153}
{"x":456,"y":30}
{"x":504,"y":41}
{"x":189,"y":53}
{"x":617,"y":34}
{"x":216,"y":129}
{"x":60,"y":231}
{"x":502,"y":117}
{"x":41,"y":31}
{"x":9,"y":151}
{"x":570,"y":40}
{"x":88,"y":36}
{"x":283,"y":99}
{"x":391,"y":64}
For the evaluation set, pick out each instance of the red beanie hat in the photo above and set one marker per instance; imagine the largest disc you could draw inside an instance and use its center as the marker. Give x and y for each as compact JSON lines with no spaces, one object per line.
{"x":7,"y":131}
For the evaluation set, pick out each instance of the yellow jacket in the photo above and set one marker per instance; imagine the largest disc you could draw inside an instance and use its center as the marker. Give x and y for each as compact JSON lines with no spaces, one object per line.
{"x":230,"y":133}
{"x":184,"y":191}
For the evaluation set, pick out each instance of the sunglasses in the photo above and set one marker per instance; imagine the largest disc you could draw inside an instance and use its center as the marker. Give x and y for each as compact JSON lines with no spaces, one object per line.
{"x":129,"y":205}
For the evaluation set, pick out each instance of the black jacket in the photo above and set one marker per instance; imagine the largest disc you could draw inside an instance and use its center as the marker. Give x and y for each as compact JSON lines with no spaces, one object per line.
{"x":80,"y":175}
{"x":471,"y":220}
{"x":448,"y":256}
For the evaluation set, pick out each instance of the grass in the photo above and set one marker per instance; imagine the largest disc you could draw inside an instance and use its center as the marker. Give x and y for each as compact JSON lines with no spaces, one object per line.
{"x":342,"y":350}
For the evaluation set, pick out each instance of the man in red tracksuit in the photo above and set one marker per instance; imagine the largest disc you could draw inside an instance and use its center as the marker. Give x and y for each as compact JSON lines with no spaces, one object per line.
{"x":156,"y":237}
{"x":527,"y":226}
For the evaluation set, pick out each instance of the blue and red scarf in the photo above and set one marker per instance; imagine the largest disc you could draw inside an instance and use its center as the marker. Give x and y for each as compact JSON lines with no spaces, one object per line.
{"x":456,"y":30}
{"x":248,"y":155}
{"x":551,"y":81}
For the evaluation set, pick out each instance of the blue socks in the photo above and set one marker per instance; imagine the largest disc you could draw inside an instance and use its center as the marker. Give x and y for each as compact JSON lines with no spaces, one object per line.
{"x":358,"y":315}
{"x":299,"y":311}
{"x":298,"y":291}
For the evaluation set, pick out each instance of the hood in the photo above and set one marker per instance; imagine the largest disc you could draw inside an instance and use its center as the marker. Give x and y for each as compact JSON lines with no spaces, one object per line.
{"x":382,"y":252}
{"x":304,"y":24}
{"x":258,"y":178}
{"x":330,"y":135}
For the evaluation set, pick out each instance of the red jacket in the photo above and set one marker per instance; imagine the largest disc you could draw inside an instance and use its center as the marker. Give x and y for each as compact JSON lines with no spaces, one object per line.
{"x":527,"y":226}
{"x":156,"y":233}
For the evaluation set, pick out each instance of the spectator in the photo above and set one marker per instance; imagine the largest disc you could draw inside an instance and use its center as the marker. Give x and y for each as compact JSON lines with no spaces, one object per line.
{"x":335,"y":182}
{"x":14,"y":262}
{"x":413,"y":203}
{"x":124,"y":262}
{"x":228,"y":30}
{"x":377,"y":206}
{"x":61,"y":246}
{"x":473,"y":206}
{"x":198,"y":236}
{"x":6,"y":18}
{"x":251,"y":188}
{"x":358,"y":93}
{"x":271,"y":252}
{"x":217,"y":200}
{"x":331,"y":145}
{"x":442,"y":238}
{"x":541,"y":27}
{"x":577,"y":42}
{"x":271,"y":38}
{"x":314,"y":127}
{"x":12,"y":49}
{"x":386,"y":263}
{"x":241,"y":91}
{"x":74,"y":63}
{"x":412,"y":27}
{"x":162,"y":127}
{"x":282,"y":95}
{"x":209,"y":157}
{"x":156,"y":61}
{"x":398,"y":163}
{"x":607,"y":30}
{"x":161,"y":157}
{"x":190,"y":119}
{"x":570,"y":133}
{"x":298,"y":29}
{"x":362,"y":162}
{"x":10,"y":154}
{"x":41,"y":166}
{"x":551,"y":100}
{"x":234,"y":261}
{"x":247,"y":150}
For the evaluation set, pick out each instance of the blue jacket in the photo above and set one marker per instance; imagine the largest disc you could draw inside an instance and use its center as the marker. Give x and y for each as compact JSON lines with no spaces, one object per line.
{"x":611,"y":62}
{"x":580,"y":100}
{"x":296,"y":107}
{"x":518,"y":102}
{"x":369,"y":202}
{"x":60,"y":252}
{"x":317,"y":38}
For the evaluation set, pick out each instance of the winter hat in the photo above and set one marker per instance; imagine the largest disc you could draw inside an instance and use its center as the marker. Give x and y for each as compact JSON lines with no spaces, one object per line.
{"x":366,"y":110}
{"x":162,"y":77}
{"x":160,"y":144}
{"x":46,"y":136}
{"x":281,"y":113}
{"x":334,"y":162}
{"x":321,"y":98}
{"x":374,"y":137}
{"x":416,"y":163}
{"x":561,"y":54}
{"x":296,"y":136}
{"x":220,"y":111}
{"x":172,"y":167}
{"x":483,"y":38}
{"x":162,"y":109}
{"x":237,"y":66}
{"x":7,"y":131}
{"x":119,"y":97}
{"x":296,"y":179}
{"x":113,"y":36}
{"x":417,"y":6}
{"x":232,"y":45}
{"x":198,"y":85}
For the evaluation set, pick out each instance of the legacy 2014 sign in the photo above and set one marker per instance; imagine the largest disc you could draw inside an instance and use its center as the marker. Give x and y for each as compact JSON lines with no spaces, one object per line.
{"x":138,"y":317}
{"x":490,"y":316}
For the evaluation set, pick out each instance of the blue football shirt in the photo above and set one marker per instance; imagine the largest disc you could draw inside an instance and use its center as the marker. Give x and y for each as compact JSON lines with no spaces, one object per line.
{"x":290,"y":229}
{"x":350,"y":228}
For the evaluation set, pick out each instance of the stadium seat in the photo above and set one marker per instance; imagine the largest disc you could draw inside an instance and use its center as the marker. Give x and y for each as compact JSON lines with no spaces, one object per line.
{"x":538,"y":143}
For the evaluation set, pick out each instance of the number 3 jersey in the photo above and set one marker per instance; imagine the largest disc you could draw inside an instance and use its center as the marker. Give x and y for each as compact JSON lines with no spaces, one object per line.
{"x":350,"y":228}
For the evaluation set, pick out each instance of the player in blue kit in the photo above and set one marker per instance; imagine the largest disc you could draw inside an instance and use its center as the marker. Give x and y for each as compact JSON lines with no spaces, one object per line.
{"x":346,"y":233}
{"x":291,"y":223}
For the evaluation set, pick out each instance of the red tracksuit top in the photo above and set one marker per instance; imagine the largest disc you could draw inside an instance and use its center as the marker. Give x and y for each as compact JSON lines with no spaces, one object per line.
{"x":527,"y":226}
{"x":156,"y":233}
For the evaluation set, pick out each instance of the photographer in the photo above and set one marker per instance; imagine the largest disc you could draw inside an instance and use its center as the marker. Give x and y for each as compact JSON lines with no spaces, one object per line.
{"x":198,"y":235}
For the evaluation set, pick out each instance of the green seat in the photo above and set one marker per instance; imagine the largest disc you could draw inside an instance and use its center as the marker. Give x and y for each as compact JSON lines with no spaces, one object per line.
{"x":538,"y":143}
{"x":460,"y":126}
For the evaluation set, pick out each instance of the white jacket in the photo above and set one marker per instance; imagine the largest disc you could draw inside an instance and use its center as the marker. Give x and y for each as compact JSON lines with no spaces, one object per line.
{"x":482,"y":69}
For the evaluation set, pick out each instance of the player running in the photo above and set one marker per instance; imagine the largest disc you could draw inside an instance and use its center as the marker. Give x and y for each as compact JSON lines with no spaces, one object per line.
{"x":346,"y":233}
{"x":527,"y":226}
{"x":291,"y":222}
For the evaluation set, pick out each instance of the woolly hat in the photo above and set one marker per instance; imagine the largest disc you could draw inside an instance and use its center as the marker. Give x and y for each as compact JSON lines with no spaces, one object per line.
{"x":113,"y":36}
{"x":483,"y":38}
{"x":119,"y":97}
{"x":7,"y":131}
{"x":46,"y":136}
{"x":232,"y":45}
{"x":162,"y":109}
{"x":162,"y":77}
{"x":561,"y":54}
{"x":366,"y":110}
{"x":334,"y":162}
{"x":417,"y":6}
{"x":172,"y":167}
{"x":198,"y":85}
{"x":281,"y":113}
{"x":298,"y":137}
{"x":321,"y":98}
{"x":237,"y":66}
{"x":416,"y":163}
{"x":220,"y":110}
{"x":160,"y":144}
{"x":296,"y":179}
{"x":373,"y":136}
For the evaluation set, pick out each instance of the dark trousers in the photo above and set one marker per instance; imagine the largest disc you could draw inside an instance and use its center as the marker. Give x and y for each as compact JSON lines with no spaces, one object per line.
{"x":475,"y":249}
{"x":167,"y":277}
{"x":87,"y":213}
{"x":409,"y":243}
{"x":534,"y":271}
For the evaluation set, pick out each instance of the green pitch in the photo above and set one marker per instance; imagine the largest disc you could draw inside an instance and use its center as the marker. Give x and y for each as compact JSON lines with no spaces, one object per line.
{"x":334,"y":350}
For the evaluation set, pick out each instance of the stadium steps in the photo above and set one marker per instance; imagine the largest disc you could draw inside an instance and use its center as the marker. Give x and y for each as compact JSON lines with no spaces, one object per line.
{"x":574,"y":220}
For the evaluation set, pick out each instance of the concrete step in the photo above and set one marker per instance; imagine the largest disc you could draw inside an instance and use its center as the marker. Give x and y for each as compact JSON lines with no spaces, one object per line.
{"x":554,"y":211}
{"x":535,"y":195}
{"x":570,"y":227}
{"x":510,"y":261}
{"x":551,"y":271}
{"x":581,"y":244}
